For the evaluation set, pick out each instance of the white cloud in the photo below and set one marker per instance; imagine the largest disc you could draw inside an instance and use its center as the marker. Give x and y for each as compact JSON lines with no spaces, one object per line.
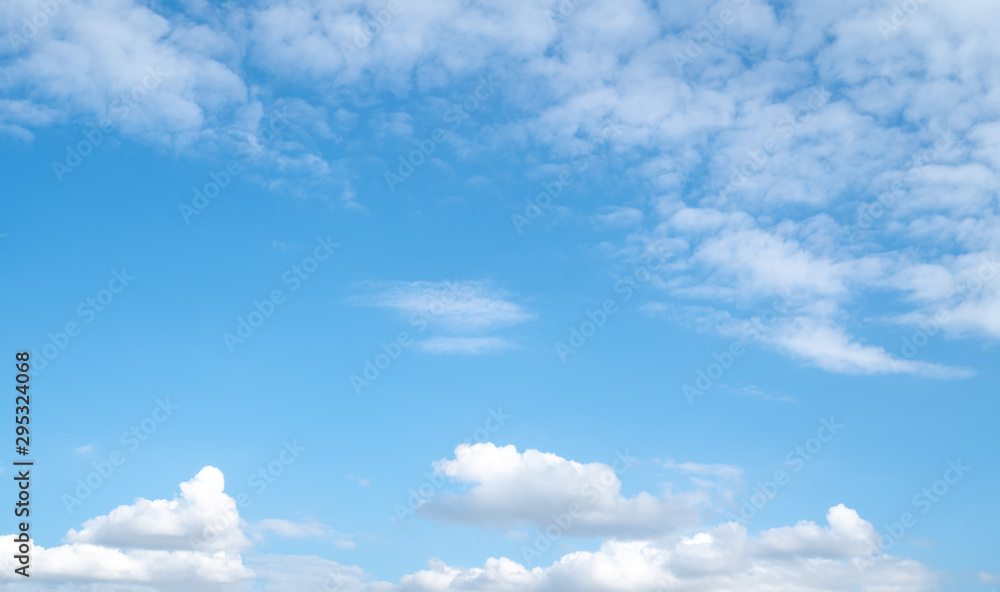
{"x":465,"y":345}
{"x":809,"y":334}
{"x":681,"y":128}
{"x":827,"y":346}
{"x":150,"y":76}
{"x":297,"y":573}
{"x":788,"y":559}
{"x":753,"y":391}
{"x":508,"y":489}
{"x":301,"y":530}
{"x":17,"y":115}
{"x":190,"y":543}
{"x":759,"y":262}
{"x":960,"y":300}
{"x":159,"y":558}
{"x":688,"y":220}
{"x":714,"y":470}
{"x":315,"y":41}
{"x":847,"y":536}
{"x":171,"y":524}
{"x":362,"y":481}
{"x":618,"y":217}
{"x":459,"y":306}
{"x":464,"y":309}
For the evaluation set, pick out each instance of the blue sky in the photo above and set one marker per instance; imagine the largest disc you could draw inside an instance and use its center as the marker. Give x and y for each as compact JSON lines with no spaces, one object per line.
{"x":539,"y":296}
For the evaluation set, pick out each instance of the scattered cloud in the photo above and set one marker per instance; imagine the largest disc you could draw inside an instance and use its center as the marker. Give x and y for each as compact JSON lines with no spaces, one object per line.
{"x":764,"y":184}
{"x":507,"y":489}
{"x":173,"y":524}
{"x":721,"y":558}
{"x":457,"y":305}
{"x":362,"y":481}
{"x":196,"y":542}
{"x":300,"y":530}
{"x":465,"y":345}
{"x":460,"y":312}
{"x":714,"y":470}
{"x":753,"y":391}
{"x":827,"y":346}
{"x":617,"y":217}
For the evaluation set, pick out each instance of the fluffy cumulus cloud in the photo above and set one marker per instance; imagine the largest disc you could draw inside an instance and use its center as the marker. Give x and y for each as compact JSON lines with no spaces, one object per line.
{"x":508,"y":489}
{"x":173,"y":524}
{"x":800,"y":558}
{"x":196,"y":542}
{"x":193,"y":542}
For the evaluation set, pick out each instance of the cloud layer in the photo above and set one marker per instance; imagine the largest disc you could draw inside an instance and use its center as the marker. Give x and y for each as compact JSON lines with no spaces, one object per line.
{"x":196,"y":542}
{"x":835,"y":156}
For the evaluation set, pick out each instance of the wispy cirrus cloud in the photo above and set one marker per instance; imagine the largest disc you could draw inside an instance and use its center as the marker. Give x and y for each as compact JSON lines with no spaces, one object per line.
{"x":464,"y":315}
{"x":309,"y":529}
{"x":466,"y":345}
{"x":85,"y":449}
{"x":469,"y":305}
{"x":827,"y":346}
